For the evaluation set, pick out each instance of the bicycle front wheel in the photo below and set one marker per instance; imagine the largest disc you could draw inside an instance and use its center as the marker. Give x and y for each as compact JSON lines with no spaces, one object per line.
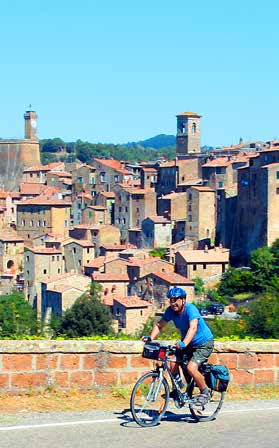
{"x":149,"y":399}
{"x":211,"y":409}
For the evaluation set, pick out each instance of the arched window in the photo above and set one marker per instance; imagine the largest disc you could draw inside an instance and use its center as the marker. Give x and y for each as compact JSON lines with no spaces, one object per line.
{"x":194,"y":128}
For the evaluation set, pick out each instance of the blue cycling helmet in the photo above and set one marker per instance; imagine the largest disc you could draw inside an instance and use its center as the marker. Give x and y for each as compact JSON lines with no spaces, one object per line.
{"x":176,"y":292}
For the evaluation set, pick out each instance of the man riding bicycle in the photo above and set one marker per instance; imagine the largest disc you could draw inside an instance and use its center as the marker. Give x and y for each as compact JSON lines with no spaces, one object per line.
{"x":196,"y":344}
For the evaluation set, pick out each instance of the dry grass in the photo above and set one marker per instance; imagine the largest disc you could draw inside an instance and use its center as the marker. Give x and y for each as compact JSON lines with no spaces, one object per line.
{"x":105,"y":399}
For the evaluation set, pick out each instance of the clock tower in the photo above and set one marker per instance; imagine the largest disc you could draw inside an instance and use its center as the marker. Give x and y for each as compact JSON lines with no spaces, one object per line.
{"x":30,"y":118}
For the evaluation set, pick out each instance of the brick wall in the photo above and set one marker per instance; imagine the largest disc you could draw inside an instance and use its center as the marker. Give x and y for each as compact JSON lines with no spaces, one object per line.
{"x":26,"y":365}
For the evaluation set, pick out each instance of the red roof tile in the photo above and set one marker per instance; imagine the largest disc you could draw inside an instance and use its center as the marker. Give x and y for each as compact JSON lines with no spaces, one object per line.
{"x":132,"y":302}
{"x":116,"y":277}
{"x":174,"y":278}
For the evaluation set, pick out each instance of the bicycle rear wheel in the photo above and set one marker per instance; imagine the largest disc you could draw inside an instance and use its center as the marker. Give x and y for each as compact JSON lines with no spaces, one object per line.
{"x":211,"y":409}
{"x":149,"y":399}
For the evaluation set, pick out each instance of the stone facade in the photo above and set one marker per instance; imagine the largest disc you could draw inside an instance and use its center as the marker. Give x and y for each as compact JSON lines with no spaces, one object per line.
{"x":35,"y":365}
{"x":188,"y":134}
{"x":204,"y":264}
{"x":256,"y":223}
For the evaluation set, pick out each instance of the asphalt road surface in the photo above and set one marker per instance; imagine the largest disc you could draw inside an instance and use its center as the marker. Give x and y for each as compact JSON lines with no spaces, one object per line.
{"x":240,"y":424}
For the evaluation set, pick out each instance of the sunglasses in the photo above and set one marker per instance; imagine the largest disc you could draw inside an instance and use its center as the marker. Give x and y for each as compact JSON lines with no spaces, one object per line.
{"x":174,"y":299}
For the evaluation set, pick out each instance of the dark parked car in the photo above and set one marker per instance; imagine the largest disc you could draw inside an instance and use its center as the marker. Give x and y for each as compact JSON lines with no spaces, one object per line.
{"x":203,"y":311}
{"x":216,"y":308}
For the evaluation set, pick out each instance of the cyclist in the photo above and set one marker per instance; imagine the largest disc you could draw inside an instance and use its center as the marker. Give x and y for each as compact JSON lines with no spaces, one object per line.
{"x":196,"y":344}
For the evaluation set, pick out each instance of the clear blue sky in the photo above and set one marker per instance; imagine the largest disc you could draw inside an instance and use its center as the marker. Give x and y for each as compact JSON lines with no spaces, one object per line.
{"x":117,"y":71}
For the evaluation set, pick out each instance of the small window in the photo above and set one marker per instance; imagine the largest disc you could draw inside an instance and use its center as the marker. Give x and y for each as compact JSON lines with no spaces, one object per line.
{"x":194,"y":267}
{"x":88,"y":250}
{"x":27,"y":258}
{"x":57,"y":258}
{"x":31,"y":223}
{"x":204,"y":266}
{"x":277,"y":190}
{"x":53,"y":257}
{"x":45,"y":271}
{"x":58,"y":270}
{"x":194,"y":128}
{"x":74,"y":250}
{"x":277,"y":174}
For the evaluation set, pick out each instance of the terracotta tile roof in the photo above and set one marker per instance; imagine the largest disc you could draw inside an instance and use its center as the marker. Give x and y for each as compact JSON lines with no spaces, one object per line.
{"x":107,"y":299}
{"x":220,"y":161}
{"x":142,"y":261}
{"x":13,"y":194}
{"x":200,"y":256}
{"x":159,"y":219}
{"x":118,"y":246}
{"x":44,"y":250}
{"x":47,"y":167}
{"x":108,"y":194}
{"x":174,"y":278}
{"x":132,"y":302}
{"x":97,"y":207}
{"x":96,"y":263}
{"x":59,"y":173}
{"x":203,"y":188}
{"x":83,"y":243}
{"x":114,"y":164}
{"x":134,"y":190}
{"x":84,"y":195}
{"x":10,"y":237}
{"x":174,"y":195}
{"x":169,"y":164}
{"x":45,"y":200}
{"x":116,"y":277}
{"x":152,"y":170}
{"x":31,"y":188}
{"x":189,"y":114}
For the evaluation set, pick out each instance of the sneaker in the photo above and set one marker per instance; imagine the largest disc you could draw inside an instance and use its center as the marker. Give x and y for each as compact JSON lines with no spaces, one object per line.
{"x":201,"y":400}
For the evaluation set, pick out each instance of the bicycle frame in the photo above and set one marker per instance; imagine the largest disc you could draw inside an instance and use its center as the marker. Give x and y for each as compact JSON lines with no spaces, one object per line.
{"x":161,"y":369}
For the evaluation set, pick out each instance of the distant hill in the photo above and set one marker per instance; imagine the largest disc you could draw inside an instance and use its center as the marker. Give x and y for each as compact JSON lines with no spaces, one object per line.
{"x":157,"y":142}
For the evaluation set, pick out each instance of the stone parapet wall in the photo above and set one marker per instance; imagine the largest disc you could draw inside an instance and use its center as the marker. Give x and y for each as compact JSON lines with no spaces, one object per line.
{"x":31,"y":365}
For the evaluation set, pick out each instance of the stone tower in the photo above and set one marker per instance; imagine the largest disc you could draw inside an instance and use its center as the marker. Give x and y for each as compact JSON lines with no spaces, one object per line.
{"x":15,"y":155}
{"x":30,"y":118}
{"x":188,"y":134}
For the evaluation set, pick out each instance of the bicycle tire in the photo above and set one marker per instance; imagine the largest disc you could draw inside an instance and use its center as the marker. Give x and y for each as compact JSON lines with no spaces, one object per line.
{"x":211,"y":409}
{"x":148,"y":404}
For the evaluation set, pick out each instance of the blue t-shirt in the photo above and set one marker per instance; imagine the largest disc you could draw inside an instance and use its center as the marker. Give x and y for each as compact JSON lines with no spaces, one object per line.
{"x":182,"y":322}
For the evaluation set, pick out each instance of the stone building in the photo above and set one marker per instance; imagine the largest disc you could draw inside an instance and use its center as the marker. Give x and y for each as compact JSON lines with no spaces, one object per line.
{"x":132,"y":205}
{"x":38,"y":173}
{"x":61,"y":292}
{"x":77,"y":253}
{"x":79,"y":203}
{"x":99,"y":234}
{"x":109,"y":173}
{"x":257,"y":223}
{"x":131,"y":313}
{"x":84,"y":178}
{"x":166,"y":178}
{"x":40,"y":263}
{"x":112,"y":283}
{"x":221,"y":172}
{"x":204,"y":264}
{"x":41,"y":215}
{"x":159,"y":283}
{"x":95,"y":214}
{"x":188,"y":134}
{"x":11,"y":261}
{"x":156,"y":232}
{"x":201,"y":216}
{"x":17,"y":154}
{"x":107,"y":200}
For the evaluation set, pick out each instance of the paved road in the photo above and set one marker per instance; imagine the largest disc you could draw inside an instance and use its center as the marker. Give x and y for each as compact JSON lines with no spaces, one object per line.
{"x":243,"y":424}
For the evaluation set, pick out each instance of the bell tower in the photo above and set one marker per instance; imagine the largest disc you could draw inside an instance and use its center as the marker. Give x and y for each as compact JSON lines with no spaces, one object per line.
{"x":30,"y":118}
{"x":188,"y":134}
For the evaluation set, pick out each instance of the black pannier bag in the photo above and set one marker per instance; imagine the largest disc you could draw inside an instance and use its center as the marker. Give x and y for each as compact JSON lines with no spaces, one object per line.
{"x":218,"y":378}
{"x":154,"y":350}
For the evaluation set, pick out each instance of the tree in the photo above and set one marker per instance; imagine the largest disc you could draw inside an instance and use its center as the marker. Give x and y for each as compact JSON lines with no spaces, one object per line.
{"x":159,"y":252}
{"x":262,"y":318}
{"x":262,"y":265}
{"x":235,"y":281}
{"x":199,"y":285}
{"x":52,"y":145}
{"x":88,"y":316}
{"x":17,"y":317}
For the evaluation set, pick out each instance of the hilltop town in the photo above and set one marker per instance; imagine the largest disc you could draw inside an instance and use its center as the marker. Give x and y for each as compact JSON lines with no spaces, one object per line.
{"x":66,"y":225}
